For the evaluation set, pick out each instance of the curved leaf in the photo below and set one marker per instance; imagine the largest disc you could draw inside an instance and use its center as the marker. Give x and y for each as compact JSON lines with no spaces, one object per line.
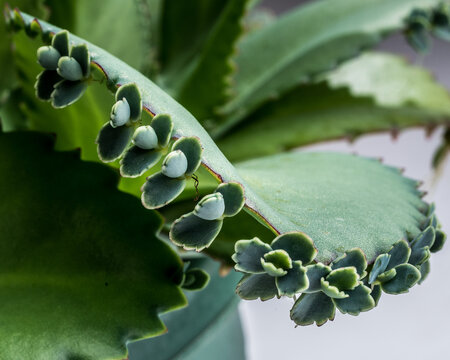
{"x":375,"y":92}
{"x":309,"y":40}
{"x":204,"y":83}
{"x":75,"y":250}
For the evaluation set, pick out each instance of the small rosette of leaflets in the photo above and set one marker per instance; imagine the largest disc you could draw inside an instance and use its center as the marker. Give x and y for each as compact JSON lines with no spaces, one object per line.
{"x":440,"y":20}
{"x":286,"y":268}
{"x":194,"y":279}
{"x":198,"y":229}
{"x":276,"y":269}
{"x":66,"y":71}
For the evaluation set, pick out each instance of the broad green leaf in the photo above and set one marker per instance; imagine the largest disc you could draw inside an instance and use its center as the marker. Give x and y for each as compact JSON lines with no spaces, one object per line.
{"x":306,"y":41}
{"x":209,"y":325}
{"x":343,"y":107}
{"x":310,"y":308}
{"x":204,"y":86}
{"x":327,"y":196}
{"x":340,"y":201}
{"x":82,"y":269}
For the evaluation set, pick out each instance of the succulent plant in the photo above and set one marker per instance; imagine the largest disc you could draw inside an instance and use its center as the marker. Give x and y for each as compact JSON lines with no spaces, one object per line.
{"x":198,"y":130}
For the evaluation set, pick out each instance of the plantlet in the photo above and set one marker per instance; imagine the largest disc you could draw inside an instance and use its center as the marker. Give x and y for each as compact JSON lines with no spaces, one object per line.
{"x":200,"y":134}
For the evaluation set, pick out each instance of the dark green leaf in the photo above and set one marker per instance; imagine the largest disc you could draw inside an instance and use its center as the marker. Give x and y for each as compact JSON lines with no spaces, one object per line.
{"x":407,"y":276}
{"x":45,"y":83}
{"x":233,"y":195}
{"x":78,"y":272}
{"x":192,"y":149}
{"x":248,"y":255}
{"x":399,"y":253}
{"x":159,"y":190}
{"x":359,"y":300}
{"x":81,"y":54}
{"x":137,"y":161}
{"x":310,"y":308}
{"x":131,"y":92}
{"x":205,"y":84}
{"x":343,"y":278}
{"x":354,"y":257}
{"x":163,"y":126}
{"x":67,"y":92}
{"x":294,"y":281}
{"x":112,"y":142}
{"x":256,"y":286}
{"x":60,"y":42}
{"x":298,"y":245}
{"x":194,"y":233}
{"x":315,"y":273}
{"x":439,"y":241}
{"x":195,"y":279}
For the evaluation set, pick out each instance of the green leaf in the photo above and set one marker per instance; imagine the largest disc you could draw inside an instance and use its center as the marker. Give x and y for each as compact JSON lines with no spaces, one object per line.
{"x":305,"y":42}
{"x":137,"y":161}
{"x":256,"y":286}
{"x":45,"y":83}
{"x":195,"y":279}
{"x":407,"y":276}
{"x":358,"y":300}
{"x":248,"y":254}
{"x":194,"y":233}
{"x":375,"y":92}
{"x":424,"y":271}
{"x":315,"y":273}
{"x":67,"y":92}
{"x":386,"y":276}
{"x":276,"y":262}
{"x":343,"y":278}
{"x":379,"y":267}
{"x":204,"y":85}
{"x":163,"y":126}
{"x":310,"y":308}
{"x":399,"y":254}
{"x":132,"y":94}
{"x":354,"y":257}
{"x":299,"y":246}
{"x":192,"y":149}
{"x":159,"y":190}
{"x":233,"y":195}
{"x":332,"y":196}
{"x":439,"y":241}
{"x":78,"y":263}
{"x":294,"y":281}
{"x":112,"y":142}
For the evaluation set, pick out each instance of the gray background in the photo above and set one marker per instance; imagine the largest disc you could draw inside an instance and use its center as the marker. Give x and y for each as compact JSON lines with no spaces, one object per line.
{"x":410,"y":326}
